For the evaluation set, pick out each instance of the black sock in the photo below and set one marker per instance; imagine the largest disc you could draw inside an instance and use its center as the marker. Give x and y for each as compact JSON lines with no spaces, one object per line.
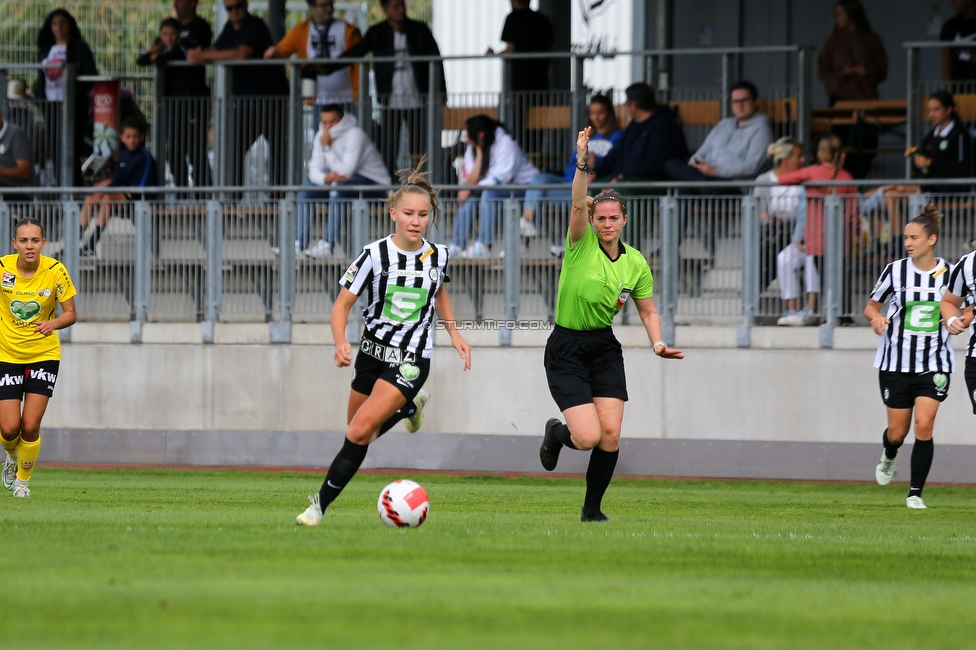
{"x":890,"y":448}
{"x":922,"y":453}
{"x":560,"y":433}
{"x":598,"y":475}
{"x":344,"y":466}
{"x":409,"y":409}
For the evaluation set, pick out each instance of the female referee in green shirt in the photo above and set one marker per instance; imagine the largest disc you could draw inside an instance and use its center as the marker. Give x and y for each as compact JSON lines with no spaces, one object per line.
{"x":584,"y":362}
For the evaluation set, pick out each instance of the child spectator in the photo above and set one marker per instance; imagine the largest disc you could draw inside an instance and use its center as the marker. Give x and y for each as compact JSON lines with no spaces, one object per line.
{"x":135,"y":167}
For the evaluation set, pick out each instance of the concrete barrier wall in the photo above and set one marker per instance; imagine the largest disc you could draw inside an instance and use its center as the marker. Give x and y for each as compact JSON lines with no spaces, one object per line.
{"x":244,"y":396}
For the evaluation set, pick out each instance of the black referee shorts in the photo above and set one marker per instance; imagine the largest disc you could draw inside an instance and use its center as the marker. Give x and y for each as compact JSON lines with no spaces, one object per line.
{"x":584,"y":365}
{"x":899,"y":389}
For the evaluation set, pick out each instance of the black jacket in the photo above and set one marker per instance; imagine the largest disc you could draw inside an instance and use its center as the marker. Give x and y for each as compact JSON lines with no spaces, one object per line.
{"x":645,"y":147}
{"x":952,"y":157}
{"x":378,"y":41}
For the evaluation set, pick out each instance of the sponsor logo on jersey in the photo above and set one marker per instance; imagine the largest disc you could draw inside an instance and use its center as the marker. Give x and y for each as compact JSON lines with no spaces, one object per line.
{"x":400,"y":273}
{"x":427,"y":253}
{"x":404,"y":304}
{"x":25,"y":310}
{"x":8,"y":280}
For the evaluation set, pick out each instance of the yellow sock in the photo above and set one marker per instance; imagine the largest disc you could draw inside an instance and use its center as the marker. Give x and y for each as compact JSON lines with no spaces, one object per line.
{"x":10,"y":445}
{"x":27,"y":453}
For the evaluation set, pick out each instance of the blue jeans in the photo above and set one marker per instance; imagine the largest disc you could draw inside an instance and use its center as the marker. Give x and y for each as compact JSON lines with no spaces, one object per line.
{"x":541,"y":178}
{"x":487,"y":206}
{"x":337,"y":208}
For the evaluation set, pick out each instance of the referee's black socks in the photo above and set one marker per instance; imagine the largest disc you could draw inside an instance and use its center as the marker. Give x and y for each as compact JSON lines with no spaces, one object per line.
{"x":890,"y":448}
{"x":598,"y":475}
{"x":344,"y":466}
{"x":922,"y":452}
{"x":560,"y":433}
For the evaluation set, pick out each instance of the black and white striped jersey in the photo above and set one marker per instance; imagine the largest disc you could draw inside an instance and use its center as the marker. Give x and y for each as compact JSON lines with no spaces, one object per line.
{"x":915,"y":341}
{"x":400,"y":288}
{"x":963,"y":284}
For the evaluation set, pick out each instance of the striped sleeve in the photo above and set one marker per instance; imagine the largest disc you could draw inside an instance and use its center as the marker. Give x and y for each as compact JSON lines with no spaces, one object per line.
{"x":884,"y":286}
{"x":957,"y":281}
{"x":359,"y":273}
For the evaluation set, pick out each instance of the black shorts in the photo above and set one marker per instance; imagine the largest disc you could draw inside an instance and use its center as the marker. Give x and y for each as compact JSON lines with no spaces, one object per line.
{"x":899,"y":389}
{"x":584,"y":365}
{"x":403,"y":369}
{"x":971,"y":380}
{"x":19,"y":378}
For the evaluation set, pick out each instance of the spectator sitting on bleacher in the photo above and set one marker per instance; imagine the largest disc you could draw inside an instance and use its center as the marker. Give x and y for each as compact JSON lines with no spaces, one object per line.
{"x":16,"y":159}
{"x":323,"y":37}
{"x":605,"y":134}
{"x":492,"y":157}
{"x":135,"y":167}
{"x":342,"y":154}
{"x":947,"y":150}
{"x":652,"y":138}
{"x":735,"y":148}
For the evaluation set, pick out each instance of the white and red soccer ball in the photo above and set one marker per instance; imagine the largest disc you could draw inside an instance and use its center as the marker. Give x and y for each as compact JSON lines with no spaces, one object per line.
{"x":403,"y":504}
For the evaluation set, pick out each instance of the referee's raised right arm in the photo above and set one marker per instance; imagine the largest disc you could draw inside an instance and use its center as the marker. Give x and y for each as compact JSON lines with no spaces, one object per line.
{"x":579,"y":219}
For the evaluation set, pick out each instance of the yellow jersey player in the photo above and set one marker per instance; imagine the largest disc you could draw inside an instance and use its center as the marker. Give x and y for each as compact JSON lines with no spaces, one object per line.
{"x":31,"y":287}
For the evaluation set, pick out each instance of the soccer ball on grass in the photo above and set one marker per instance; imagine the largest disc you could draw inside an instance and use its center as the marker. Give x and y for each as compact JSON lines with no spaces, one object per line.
{"x":403,"y":504}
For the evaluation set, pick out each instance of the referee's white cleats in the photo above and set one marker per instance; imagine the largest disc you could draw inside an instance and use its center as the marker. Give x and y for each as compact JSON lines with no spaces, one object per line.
{"x":22,"y":491}
{"x":915,"y":503}
{"x":885,"y":471}
{"x":9,"y":472}
{"x":414,"y":421}
{"x":313,"y":513}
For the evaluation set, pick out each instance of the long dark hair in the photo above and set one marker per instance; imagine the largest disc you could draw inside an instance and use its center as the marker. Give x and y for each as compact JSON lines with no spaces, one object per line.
{"x":45,"y":37}
{"x":477,"y":125}
{"x":607,"y":103}
{"x":855,"y":11}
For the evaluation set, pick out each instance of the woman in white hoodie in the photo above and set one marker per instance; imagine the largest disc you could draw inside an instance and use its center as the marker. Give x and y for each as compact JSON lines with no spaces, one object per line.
{"x":342,"y":154}
{"x":491,"y":158}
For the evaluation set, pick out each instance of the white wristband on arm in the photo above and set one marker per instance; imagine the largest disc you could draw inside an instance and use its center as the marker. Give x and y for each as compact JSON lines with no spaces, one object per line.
{"x":660,"y":343}
{"x":949,"y":322}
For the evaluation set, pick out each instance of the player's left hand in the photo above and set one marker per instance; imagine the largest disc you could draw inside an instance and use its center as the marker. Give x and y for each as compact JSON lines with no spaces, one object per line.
{"x":668,"y":353}
{"x":44,"y":327}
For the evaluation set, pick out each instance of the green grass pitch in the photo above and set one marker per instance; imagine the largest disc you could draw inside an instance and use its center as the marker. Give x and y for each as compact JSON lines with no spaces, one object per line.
{"x":155,"y":558}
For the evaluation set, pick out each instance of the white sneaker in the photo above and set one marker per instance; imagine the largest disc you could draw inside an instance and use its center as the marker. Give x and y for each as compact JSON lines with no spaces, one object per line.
{"x":313,"y":514}
{"x":501,"y":254}
{"x":417,"y":419}
{"x":557,"y":250}
{"x":885,"y":471}
{"x":321,"y":250}
{"x":299,"y":253}
{"x":796,"y":319}
{"x":475,"y":250}
{"x":786,"y":314}
{"x":914,"y":503}
{"x":22,"y":491}
{"x":454,"y":250}
{"x":527,"y":228}
{"x":9,"y":472}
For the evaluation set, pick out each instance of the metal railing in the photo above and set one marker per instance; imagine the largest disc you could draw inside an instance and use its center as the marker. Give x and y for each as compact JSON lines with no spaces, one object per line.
{"x":212,"y":256}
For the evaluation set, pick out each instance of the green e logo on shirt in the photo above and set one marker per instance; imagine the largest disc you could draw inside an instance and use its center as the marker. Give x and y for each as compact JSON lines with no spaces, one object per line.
{"x":922,"y":316}
{"x":403,"y":304}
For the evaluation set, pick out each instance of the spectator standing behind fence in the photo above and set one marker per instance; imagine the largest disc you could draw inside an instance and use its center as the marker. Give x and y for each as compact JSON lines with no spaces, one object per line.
{"x":59,"y":42}
{"x":947,"y":150}
{"x":323,"y":37}
{"x":850,"y":66}
{"x":606,"y":134}
{"x":830,"y":162}
{"x":401,"y":85}
{"x":260,"y":91}
{"x":735,"y":148}
{"x":959,"y":63}
{"x":525,"y":31}
{"x":342,"y":154}
{"x":187,"y":94}
{"x":16,"y":160}
{"x":135,"y":167}
{"x":651,"y":139}
{"x":492,"y":157}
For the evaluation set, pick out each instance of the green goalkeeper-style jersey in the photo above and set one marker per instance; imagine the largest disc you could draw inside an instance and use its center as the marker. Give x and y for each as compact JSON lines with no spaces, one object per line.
{"x":593,"y":288}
